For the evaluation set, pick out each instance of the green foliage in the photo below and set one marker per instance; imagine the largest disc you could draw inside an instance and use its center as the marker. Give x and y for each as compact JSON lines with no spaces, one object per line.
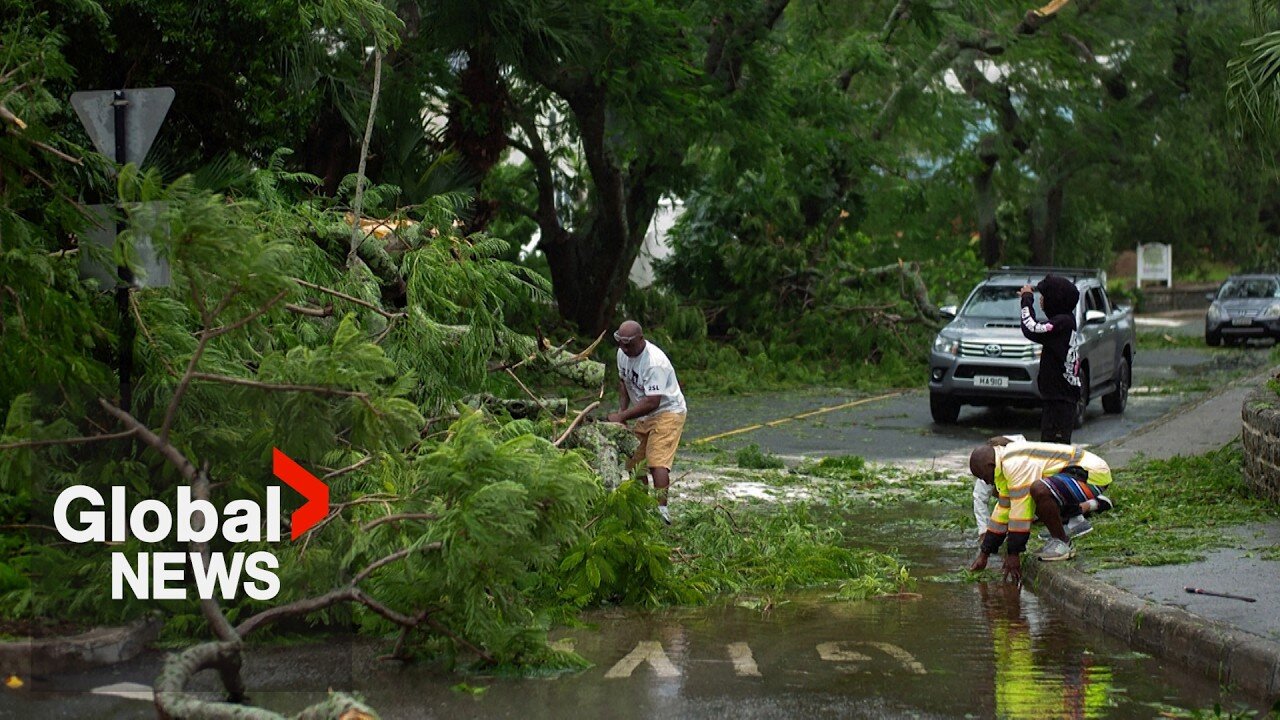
{"x":1172,"y":511}
{"x":751,"y":457}
{"x":839,"y":467}
{"x":624,"y":558}
{"x":773,"y":550}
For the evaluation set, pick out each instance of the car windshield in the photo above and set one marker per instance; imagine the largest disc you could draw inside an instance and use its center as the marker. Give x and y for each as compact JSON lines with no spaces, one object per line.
{"x":1250,"y":288}
{"x":996,"y":301}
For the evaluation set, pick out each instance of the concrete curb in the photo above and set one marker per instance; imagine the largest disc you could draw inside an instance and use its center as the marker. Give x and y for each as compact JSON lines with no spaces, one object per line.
{"x":1219,"y":651}
{"x":99,"y":646}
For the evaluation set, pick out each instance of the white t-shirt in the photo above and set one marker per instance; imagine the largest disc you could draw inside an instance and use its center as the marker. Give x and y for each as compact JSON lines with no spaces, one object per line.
{"x":651,"y":373}
{"x":982,"y":493}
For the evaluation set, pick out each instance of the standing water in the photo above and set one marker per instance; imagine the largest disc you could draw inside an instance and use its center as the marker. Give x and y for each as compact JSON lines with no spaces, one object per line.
{"x":949,"y":650}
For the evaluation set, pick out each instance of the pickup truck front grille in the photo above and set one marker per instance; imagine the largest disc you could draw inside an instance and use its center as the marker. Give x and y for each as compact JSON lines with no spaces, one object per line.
{"x":1013,"y":372}
{"x":1009,"y":351}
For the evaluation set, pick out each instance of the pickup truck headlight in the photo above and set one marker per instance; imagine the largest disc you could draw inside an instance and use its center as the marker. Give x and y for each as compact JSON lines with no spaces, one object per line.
{"x":1272,"y":312}
{"x":946,"y":345}
{"x":1215,"y":312}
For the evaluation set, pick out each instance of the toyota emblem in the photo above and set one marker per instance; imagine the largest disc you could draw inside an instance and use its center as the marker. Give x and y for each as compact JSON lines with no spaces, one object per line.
{"x":992,"y":350}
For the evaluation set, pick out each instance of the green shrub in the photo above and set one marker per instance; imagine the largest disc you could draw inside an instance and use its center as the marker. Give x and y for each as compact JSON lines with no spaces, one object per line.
{"x":753,"y":458}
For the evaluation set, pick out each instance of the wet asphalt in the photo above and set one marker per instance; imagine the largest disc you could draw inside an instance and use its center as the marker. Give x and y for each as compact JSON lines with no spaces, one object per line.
{"x":896,"y":427}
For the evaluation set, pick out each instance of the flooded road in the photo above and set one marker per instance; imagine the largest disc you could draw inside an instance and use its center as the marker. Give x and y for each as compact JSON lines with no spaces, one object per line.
{"x":950,"y":650}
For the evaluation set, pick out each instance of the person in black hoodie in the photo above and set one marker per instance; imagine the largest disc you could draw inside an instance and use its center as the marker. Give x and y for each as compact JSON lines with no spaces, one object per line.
{"x":1059,"y":379}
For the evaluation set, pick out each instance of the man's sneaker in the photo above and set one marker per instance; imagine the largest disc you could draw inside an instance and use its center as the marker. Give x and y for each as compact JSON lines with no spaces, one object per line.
{"x":1055,"y":550}
{"x":666,"y":514}
{"x":1104,"y":504}
{"x":1075,"y":527}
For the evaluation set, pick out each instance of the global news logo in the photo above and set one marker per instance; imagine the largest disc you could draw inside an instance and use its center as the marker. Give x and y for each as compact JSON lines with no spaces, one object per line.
{"x":83,"y":515}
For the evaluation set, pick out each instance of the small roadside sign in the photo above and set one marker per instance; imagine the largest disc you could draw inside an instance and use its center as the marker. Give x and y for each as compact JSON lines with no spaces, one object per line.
{"x":149,"y":269}
{"x":147,"y":107}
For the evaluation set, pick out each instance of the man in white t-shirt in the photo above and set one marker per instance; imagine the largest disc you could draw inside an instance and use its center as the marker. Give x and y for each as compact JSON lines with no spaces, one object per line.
{"x":649,"y":393}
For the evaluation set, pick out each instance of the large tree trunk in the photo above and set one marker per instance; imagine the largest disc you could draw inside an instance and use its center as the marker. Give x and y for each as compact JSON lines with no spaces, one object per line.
{"x":477,"y":125}
{"x":590,"y":265}
{"x":1044,"y":217}
{"x":990,"y":242}
{"x":590,"y":270}
{"x":329,"y":152}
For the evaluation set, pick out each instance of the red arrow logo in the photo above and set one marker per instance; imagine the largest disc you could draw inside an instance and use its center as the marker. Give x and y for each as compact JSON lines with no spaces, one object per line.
{"x":308,"y":486}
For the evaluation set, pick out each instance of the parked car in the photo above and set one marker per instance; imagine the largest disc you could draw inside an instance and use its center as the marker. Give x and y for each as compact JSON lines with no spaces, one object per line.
{"x":982,"y":358}
{"x":1246,"y":306}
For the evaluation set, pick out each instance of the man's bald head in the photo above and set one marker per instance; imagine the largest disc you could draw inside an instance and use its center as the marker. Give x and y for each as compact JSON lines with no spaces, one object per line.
{"x":630,"y":328}
{"x":982,"y":463}
{"x":630,"y":338}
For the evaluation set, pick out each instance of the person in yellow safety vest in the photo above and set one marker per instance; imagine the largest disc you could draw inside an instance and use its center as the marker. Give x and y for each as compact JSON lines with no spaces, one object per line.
{"x":1034,"y":479}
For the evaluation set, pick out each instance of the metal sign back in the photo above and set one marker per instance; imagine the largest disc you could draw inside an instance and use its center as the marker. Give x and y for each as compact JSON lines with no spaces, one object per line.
{"x":147,"y":108}
{"x":151,"y":270}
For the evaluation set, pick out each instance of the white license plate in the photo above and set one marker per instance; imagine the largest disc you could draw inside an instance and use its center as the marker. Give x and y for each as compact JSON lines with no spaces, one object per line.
{"x":991,"y":381}
{"x":1241,"y":322}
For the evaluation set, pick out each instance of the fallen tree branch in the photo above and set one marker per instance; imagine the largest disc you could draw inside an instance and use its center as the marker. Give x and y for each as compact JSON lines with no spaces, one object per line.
{"x":279,"y":387}
{"x":397,"y":518}
{"x":209,"y":606}
{"x":173,"y":702}
{"x":167,"y":451}
{"x":24,"y":444}
{"x":575,"y":422}
{"x":348,"y":298}
{"x":350,"y":468}
{"x":326,"y":311}
{"x":207,"y":336}
{"x":397,"y":555}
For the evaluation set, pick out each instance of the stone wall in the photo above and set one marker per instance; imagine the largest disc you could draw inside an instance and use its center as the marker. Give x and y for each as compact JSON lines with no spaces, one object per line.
{"x":1187,"y":296}
{"x":1261,"y":438}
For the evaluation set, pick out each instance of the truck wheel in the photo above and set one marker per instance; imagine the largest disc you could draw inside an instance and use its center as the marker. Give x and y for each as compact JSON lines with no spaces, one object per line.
{"x":945,"y":409}
{"x":1083,"y":403}
{"x":1114,"y":401}
{"x":1212,"y":339}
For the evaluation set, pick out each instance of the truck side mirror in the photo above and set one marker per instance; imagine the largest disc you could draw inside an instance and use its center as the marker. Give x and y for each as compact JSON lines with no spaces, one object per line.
{"x":948,"y":311}
{"x":1094,"y":317}
{"x":1210,"y":296}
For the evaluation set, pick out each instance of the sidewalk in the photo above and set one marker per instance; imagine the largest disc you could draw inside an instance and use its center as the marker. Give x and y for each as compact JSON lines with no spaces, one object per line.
{"x":1230,"y":640}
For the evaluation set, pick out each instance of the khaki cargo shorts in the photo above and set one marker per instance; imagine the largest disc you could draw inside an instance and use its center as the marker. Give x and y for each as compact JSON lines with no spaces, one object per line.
{"x":659,"y":436}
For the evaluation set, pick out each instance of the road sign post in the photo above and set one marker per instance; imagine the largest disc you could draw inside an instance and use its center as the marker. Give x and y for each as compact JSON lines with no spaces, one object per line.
{"x":123,"y":124}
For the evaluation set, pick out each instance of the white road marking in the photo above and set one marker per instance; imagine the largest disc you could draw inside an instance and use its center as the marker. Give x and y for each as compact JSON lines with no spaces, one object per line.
{"x":744,"y":663}
{"x":843,"y":652}
{"x":902,"y":656}
{"x":833,"y":652}
{"x":645,"y":651}
{"x":127,"y":690}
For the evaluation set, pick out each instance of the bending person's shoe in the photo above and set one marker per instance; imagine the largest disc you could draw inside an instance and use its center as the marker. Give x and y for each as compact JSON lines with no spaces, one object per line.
{"x":666,"y":514}
{"x":1075,"y":527}
{"x":1104,"y":503}
{"x":1055,"y":550}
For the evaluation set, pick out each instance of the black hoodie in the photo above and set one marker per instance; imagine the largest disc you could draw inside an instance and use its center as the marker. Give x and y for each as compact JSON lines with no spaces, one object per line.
{"x":1060,"y":362}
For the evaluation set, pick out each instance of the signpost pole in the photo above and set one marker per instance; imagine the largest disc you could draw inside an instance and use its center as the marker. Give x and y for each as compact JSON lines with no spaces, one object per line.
{"x":110,"y":117}
{"x":128,"y":331}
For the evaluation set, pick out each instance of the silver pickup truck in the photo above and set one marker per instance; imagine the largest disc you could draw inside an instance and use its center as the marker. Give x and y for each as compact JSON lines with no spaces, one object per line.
{"x":982,"y":358}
